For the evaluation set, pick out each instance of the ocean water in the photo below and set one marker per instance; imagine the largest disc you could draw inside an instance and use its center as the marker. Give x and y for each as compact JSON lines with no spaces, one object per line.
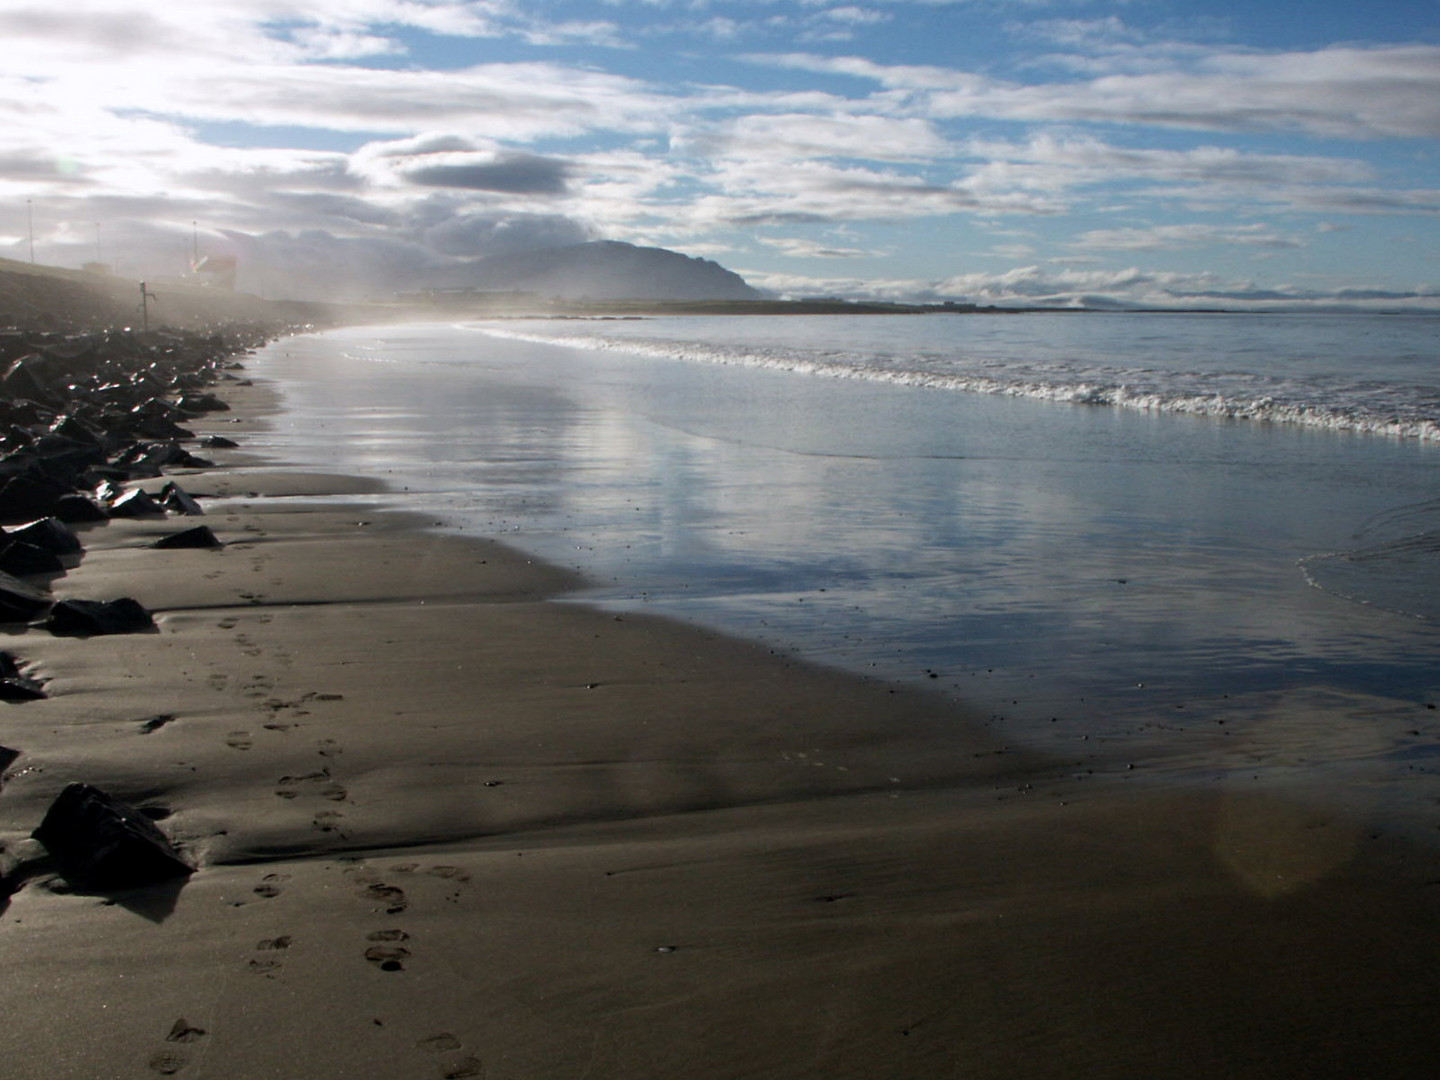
{"x":1158,"y":547}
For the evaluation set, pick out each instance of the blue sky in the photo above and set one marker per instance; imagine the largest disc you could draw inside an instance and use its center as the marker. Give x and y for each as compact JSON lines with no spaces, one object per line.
{"x":1001,"y":151}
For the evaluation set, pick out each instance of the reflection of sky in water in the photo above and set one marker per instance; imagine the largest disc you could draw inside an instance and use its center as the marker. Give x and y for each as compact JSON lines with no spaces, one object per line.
{"x":1095,"y":566}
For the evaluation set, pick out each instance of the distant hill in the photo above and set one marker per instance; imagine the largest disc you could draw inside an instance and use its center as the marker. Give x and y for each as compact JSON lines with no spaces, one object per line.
{"x":603,"y":270}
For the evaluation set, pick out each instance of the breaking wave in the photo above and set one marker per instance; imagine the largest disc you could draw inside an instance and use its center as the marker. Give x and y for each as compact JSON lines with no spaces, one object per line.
{"x":1331,"y":402}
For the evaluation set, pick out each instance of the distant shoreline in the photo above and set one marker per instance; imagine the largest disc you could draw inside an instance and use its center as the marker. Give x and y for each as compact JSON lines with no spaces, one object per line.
{"x":36,"y":297}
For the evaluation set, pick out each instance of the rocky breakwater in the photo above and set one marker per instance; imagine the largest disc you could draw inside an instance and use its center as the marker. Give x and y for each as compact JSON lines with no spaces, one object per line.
{"x":84,"y":419}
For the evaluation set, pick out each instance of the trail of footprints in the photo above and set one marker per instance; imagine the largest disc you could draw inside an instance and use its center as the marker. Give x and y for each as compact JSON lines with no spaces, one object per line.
{"x":284,"y":715}
{"x":386,"y":949}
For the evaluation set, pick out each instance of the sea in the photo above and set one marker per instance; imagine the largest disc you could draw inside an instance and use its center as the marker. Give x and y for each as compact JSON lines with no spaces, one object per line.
{"x":1158,"y":547}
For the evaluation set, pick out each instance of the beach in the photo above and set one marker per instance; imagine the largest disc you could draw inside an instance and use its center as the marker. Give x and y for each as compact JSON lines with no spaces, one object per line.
{"x":445,"y":824}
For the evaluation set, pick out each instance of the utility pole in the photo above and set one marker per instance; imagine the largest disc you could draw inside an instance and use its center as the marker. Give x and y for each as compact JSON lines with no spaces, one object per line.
{"x":145,"y":297}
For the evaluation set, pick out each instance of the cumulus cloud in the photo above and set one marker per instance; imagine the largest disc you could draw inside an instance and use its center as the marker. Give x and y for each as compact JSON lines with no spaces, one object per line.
{"x":522,"y":174}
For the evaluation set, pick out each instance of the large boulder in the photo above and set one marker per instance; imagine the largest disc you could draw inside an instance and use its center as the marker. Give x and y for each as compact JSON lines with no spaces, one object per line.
{"x":20,"y":602}
{"x":21,"y":559}
{"x":101,"y":843}
{"x":48,"y":533}
{"x":92,"y":618}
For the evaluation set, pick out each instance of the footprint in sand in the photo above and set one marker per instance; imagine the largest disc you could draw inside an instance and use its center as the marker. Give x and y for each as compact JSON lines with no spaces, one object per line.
{"x":388,"y":954}
{"x":168,"y":1062}
{"x":392,"y":899}
{"x":268,"y":965}
{"x":465,"y":1067}
{"x":442,"y":1043}
{"x":388,"y":957}
{"x":328,"y":790}
{"x":228,"y":623}
{"x":327,"y":821}
{"x":239,"y":740}
{"x":270,"y":886}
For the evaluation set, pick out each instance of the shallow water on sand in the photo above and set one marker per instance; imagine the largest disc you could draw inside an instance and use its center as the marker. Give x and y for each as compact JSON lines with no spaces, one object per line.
{"x":1133,"y":591}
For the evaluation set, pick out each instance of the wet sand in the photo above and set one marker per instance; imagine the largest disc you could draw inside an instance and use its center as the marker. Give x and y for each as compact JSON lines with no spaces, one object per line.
{"x":447,"y":827}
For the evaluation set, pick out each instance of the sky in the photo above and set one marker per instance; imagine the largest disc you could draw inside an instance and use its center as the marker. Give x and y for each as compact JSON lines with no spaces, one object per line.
{"x":1200,"y":154}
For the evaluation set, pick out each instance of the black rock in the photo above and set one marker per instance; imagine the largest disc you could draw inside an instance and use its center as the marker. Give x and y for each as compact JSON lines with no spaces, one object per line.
{"x":15,"y":685}
{"x":179,"y":501}
{"x":27,"y":378}
{"x":29,"y":496}
{"x":20,"y":602}
{"x":95,"y":617}
{"x":20,"y":559}
{"x":76,"y":509}
{"x":48,"y":533}
{"x":101,"y":843}
{"x":136,"y":503}
{"x":155,"y":419}
{"x":201,"y":403}
{"x":198,"y":537}
{"x":218,"y":442}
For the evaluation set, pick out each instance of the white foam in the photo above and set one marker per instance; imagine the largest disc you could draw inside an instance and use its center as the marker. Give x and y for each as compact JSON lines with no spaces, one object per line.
{"x":1328,"y":402}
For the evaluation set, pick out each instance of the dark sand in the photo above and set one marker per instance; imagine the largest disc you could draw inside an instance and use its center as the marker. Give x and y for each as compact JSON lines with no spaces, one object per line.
{"x":447,"y":827}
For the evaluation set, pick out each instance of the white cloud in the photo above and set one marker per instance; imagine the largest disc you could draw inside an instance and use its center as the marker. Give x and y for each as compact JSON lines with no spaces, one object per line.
{"x":1338,"y":92}
{"x":1035,"y":286}
{"x":1175,"y":237}
{"x":798,"y":248}
{"x":781,"y":137}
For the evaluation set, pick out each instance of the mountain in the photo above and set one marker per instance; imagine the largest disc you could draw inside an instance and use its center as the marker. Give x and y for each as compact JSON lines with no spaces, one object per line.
{"x":603,"y":270}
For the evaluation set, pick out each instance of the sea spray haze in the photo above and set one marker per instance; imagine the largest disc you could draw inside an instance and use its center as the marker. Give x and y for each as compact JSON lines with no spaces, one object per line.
{"x":1192,"y":544}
